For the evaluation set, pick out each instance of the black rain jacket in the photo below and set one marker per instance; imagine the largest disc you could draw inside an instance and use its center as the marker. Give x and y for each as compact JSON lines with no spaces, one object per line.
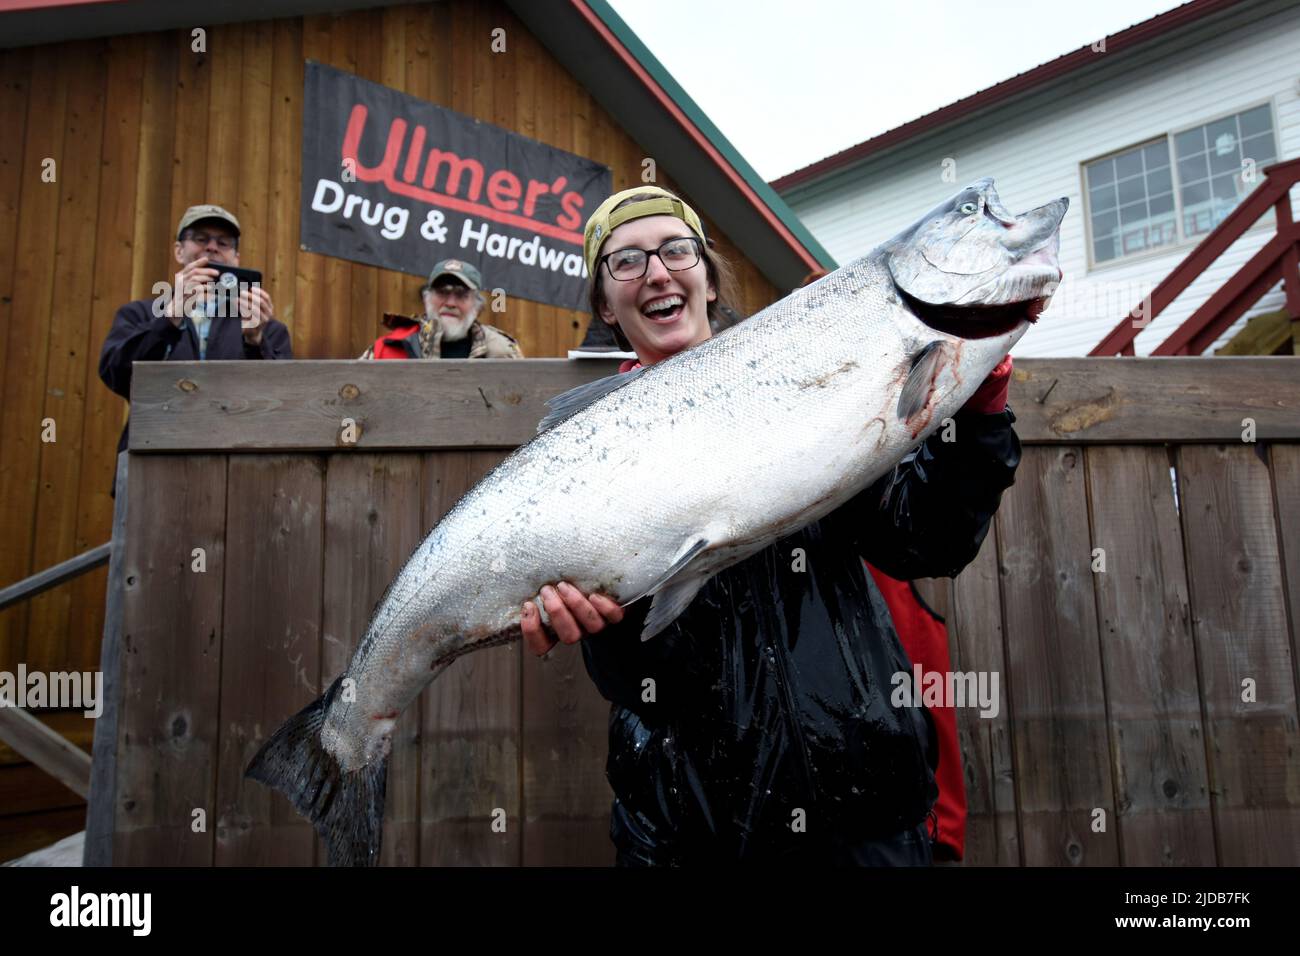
{"x":771,"y":730}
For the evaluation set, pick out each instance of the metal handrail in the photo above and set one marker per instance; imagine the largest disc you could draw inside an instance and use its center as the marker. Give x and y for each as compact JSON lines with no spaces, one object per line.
{"x":55,"y":575}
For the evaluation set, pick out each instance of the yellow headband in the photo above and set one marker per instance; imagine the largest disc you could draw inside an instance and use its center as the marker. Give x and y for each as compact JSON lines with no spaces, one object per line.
{"x":606,"y":218}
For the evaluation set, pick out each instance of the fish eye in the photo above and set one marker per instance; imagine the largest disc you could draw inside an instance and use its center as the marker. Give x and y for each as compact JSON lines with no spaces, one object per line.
{"x":967,"y":208}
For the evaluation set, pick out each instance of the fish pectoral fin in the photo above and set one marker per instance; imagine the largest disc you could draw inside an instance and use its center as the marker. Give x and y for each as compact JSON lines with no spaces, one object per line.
{"x":670,"y":602}
{"x":684,"y":557}
{"x":673,"y":590}
{"x":567,"y":404}
{"x":920,"y":381}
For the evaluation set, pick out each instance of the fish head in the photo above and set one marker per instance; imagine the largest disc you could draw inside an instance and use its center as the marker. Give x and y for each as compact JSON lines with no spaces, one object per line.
{"x":971,"y":268}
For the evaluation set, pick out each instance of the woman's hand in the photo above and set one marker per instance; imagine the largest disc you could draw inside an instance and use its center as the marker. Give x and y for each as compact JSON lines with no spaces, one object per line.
{"x":573,"y":616}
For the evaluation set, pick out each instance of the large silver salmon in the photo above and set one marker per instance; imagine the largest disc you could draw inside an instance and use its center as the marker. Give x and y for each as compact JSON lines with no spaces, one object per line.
{"x":682,"y":469}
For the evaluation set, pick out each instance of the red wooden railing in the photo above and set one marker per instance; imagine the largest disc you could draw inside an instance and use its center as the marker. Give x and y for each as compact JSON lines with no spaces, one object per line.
{"x":1279,"y":260}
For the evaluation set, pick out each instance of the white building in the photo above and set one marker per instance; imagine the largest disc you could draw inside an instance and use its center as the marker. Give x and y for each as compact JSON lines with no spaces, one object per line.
{"x":1154,"y":136}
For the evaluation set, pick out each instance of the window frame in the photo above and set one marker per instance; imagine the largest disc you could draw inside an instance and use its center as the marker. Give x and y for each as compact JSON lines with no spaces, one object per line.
{"x":1183,"y":242}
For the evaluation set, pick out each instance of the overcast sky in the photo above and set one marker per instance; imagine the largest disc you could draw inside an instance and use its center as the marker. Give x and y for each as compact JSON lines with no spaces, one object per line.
{"x":788,"y":91}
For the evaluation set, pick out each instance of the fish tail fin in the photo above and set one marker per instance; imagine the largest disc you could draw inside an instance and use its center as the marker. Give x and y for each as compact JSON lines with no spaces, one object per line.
{"x":346,"y":808}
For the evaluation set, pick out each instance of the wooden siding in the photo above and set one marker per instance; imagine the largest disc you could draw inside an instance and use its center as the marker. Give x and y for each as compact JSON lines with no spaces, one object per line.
{"x":1035,"y":149}
{"x":139,"y":128}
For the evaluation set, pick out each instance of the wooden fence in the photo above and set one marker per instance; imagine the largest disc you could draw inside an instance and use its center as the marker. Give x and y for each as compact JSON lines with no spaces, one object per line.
{"x":1137,"y":597}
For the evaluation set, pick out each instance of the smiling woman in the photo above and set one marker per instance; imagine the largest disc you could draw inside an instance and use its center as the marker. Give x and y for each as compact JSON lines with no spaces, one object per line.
{"x":641,"y":267}
{"x":748,"y":702}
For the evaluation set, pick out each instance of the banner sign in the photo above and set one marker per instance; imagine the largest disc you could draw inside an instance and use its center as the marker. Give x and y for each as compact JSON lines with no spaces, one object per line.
{"x":397,"y":182}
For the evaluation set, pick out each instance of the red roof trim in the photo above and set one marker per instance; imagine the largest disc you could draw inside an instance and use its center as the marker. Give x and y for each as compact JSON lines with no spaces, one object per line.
{"x":691,"y":130}
{"x":1123,"y":41}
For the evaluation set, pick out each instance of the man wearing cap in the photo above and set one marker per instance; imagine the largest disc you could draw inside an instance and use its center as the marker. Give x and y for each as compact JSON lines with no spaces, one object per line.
{"x":180,"y":324}
{"x":450,"y":328}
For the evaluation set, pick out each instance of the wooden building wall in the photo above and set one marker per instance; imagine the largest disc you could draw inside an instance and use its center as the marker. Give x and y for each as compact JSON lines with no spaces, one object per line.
{"x":140,"y":127}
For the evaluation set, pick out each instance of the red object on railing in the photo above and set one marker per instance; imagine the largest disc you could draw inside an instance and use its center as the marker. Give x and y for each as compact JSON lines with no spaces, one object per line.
{"x":1279,"y":260}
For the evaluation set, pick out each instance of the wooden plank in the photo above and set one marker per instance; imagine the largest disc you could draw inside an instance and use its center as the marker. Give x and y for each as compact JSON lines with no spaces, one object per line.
{"x":14,"y":76}
{"x":111,"y":286}
{"x":225,"y":117}
{"x":554,"y":90}
{"x":1152,"y":694}
{"x":281,"y":274}
{"x":427,"y":31}
{"x":335,"y":303}
{"x":976,"y":644}
{"x":470,"y":758}
{"x":246,"y":406}
{"x":396,"y":71}
{"x":155,"y":227}
{"x":50,"y":752}
{"x":367,"y":26}
{"x":253,"y":122}
{"x":1063,"y":773}
{"x":270,"y":648}
{"x":311,"y":316}
{"x":1155,"y":399}
{"x":364,"y":312}
{"x":565,"y":742}
{"x":372,"y":524}
{"x":1285,"y":470}
{"x":28,"y":346}
{"x":15,"y":72}
{"x":300,"y":406}
{"x":1240,"y":627}
{"x":171,"y":661}
{"x":569,"y":112}
{"x":458,"y":24}
{"x":190,"y":149}
{"x":361,"y":324}
{"x":69,"y":352}
{"x":503,"y":90}
{"x":103,"y":771}
{"x":523,"y":313}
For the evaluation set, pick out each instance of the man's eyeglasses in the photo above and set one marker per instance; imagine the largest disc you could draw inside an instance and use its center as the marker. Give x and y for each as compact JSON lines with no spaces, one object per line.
{"x":224,"y":243}
{"x":452,"y":291}
{"x":676,"y":255}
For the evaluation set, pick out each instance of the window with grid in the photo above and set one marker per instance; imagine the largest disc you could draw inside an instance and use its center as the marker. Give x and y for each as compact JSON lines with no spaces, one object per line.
{"x":1139,"y":200}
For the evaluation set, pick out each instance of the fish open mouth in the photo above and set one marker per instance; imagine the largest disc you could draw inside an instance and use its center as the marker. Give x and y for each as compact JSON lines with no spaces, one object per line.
{"x":976,"y":321}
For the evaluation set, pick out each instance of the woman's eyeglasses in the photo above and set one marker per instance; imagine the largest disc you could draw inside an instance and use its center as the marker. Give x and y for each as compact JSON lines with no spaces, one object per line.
{"x":676,"y":255}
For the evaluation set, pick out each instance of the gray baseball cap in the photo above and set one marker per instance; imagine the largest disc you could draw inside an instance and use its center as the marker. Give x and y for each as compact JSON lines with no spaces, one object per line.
{"x":206,"y":211}
{"x":456,"y":269}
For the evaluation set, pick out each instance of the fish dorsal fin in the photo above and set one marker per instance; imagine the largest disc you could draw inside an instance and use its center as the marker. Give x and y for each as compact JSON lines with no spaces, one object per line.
{"x":920,"y":381}
{"x":567,"y":404}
